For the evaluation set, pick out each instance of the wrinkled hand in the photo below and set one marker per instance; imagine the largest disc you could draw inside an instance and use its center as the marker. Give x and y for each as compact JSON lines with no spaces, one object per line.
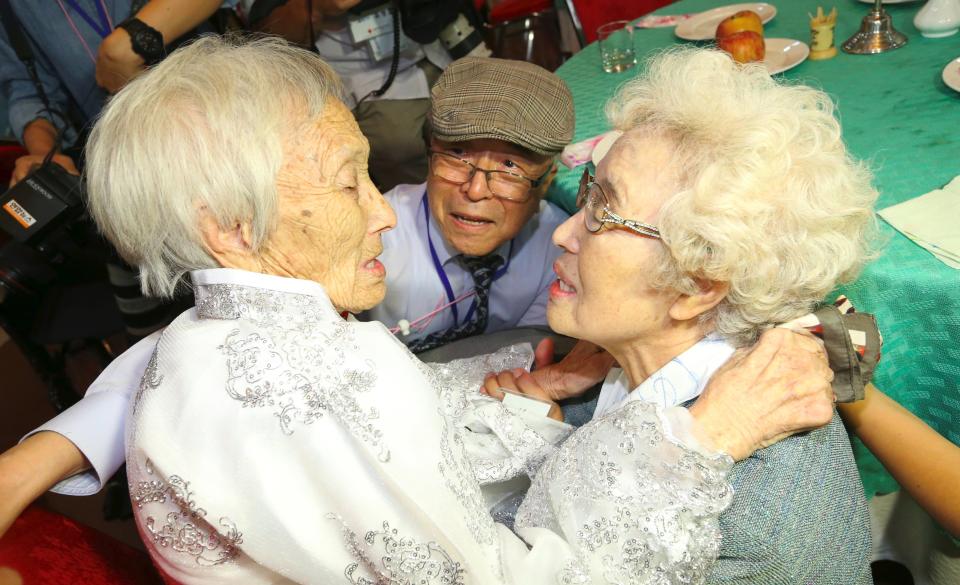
{"x":519,"y":380}
{"x":117,"y":63}
{"x":585,"y":366}
{"x":777,"y":388}
{"x":25,"y":165}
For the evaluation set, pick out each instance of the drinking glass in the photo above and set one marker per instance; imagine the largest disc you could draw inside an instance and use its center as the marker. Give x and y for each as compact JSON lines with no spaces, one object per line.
{"x":616,"y":46}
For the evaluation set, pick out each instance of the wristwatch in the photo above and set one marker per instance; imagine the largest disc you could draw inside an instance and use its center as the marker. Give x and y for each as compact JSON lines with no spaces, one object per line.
{"x":145,"y":40}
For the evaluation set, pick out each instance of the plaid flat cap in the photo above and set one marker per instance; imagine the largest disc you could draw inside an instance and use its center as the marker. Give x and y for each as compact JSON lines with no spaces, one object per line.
{"x":513,"y":101}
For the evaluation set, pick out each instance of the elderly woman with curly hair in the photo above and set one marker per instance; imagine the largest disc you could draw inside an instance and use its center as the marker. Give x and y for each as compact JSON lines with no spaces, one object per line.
{"x":729,"y":204}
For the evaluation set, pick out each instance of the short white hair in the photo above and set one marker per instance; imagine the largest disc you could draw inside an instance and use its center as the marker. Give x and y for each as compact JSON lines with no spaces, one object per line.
{"x":769,"y":199}
{"x":204,"y":128}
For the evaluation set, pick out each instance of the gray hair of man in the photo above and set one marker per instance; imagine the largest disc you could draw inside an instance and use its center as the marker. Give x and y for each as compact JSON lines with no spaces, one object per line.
{"x":203,"y":130}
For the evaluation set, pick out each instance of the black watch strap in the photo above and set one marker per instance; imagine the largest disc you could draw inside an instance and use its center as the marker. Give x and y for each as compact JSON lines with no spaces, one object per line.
{"x":145,"y":40}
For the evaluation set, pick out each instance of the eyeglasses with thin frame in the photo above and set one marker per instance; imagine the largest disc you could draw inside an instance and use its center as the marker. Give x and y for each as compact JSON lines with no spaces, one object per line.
{"x":596,"y":210}
{"x":503,"y":184}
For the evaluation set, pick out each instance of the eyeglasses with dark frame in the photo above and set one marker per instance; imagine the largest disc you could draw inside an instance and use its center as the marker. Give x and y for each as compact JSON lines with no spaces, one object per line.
{"x":596,"y":210}
{"x":503,"y":184}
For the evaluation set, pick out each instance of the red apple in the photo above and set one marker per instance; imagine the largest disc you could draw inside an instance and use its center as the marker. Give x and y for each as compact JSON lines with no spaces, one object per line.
{"x":745,"y":46}
{"x":739,"y":22}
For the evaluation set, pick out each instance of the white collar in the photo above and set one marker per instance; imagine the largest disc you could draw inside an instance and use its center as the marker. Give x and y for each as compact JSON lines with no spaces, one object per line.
{"x":256,"y":280}
{"x":218,"y":293}
{"x":682,"y":379}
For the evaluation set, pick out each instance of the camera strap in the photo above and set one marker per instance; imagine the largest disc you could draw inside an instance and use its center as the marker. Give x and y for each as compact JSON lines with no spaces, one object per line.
{"x":21,"y":46}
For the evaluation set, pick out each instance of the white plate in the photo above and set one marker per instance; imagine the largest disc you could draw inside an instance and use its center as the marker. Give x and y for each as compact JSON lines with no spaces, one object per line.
{"x":703,"y":26}
{"x":951,"y":74}
{"x":783,"y":54}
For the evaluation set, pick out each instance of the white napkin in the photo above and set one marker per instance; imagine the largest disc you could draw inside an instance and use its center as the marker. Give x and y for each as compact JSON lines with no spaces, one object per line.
{"x":932,"y":221}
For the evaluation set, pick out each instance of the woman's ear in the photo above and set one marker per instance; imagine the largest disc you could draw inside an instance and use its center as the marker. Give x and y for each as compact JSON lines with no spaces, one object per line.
{"x":230,"y":246}
{"x":688,"y":307}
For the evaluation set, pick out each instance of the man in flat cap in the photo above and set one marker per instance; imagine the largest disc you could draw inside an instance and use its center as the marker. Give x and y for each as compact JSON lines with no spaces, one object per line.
{"x":471,"y":252}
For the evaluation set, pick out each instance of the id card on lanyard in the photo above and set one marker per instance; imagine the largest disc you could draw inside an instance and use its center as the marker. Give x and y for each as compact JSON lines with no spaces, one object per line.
{"x":442,"y":274}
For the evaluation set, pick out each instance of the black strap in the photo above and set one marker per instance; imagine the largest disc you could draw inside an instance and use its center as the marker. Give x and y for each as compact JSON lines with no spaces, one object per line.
{"x":24,"y":51}
{"x":21,"y":46}
{"x":394,"y":60}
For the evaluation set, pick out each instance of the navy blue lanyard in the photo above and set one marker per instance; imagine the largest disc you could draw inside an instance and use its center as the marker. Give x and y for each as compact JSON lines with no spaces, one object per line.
{"x":442,"y":274}
{"x":101,"y":26}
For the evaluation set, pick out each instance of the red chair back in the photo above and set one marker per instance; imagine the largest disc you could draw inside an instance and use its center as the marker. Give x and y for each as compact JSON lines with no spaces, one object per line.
{"x":594,"y":13}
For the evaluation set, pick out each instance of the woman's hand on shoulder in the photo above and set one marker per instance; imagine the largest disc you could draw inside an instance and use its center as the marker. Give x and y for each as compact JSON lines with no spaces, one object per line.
{"x":777,"y":388}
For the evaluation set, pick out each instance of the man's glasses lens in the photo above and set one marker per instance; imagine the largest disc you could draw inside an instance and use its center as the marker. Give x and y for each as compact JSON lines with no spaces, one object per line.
{"x":501,"y":183}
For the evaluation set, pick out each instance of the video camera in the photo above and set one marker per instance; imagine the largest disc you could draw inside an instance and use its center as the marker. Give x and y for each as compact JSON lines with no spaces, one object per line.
{"x":422,"y":21}
{"x":43,"y":214}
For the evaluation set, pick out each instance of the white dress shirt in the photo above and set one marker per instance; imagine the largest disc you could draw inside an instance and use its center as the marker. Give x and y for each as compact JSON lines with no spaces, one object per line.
{"x":96,"y":423}
{"x":518,"y":297}
{"x":361,"y":74}
{"x":682,"y":379}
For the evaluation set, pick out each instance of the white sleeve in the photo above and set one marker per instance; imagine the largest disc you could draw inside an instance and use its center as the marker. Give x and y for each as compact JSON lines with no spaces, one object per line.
{"x":96,"y":423}
{"x":500,"y":444}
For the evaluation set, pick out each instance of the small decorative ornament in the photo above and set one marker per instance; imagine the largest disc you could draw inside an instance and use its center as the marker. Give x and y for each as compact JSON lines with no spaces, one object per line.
{"x":821,"y":33}
{"x":876,"y":35}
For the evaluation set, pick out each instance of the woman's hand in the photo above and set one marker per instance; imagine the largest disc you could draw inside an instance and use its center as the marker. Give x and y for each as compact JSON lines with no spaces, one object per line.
{"x":585,"y":366}
{"x":777,"y":388}
{"x":521,"y":382}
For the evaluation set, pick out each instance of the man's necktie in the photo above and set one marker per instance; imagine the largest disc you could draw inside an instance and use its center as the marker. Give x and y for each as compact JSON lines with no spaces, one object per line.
{"x":482,"y":270}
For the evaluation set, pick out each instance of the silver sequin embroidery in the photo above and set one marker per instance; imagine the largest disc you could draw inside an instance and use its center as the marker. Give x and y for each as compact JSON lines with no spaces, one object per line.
{"x":645,"y":508}
{"x":390,"y":558}
{"x":151,"y":379}
{"x":292,"y":368}
{"x":185,"y":530}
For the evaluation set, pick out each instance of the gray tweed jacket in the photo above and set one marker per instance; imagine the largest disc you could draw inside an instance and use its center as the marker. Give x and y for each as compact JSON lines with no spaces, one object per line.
{"x":798,"y":515}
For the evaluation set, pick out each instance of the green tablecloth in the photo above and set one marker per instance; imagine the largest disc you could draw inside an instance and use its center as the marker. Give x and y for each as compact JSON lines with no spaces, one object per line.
{"x":897,"y":114}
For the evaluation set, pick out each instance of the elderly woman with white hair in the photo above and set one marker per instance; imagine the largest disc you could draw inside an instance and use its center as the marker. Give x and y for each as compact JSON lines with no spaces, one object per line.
{"x":273,"y":440}
{"x":729,"y":204}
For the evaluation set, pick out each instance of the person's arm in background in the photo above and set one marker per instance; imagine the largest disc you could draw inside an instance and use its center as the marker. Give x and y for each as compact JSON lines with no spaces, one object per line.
{"x":39,"y":138}
{"x":82,"y":447}
{"x":29,"y":119}
{"x":921,"y":460}
{"x":117,"y":63}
